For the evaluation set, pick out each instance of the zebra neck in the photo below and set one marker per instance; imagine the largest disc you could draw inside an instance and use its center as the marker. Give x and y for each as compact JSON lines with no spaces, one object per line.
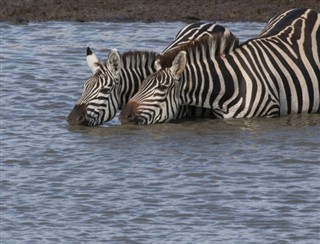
{"x":214,"y":85}
{"x":136,"y":66}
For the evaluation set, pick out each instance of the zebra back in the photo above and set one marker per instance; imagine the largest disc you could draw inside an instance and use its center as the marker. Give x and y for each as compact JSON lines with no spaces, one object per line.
{"x":198,"y":30}
{"x":280,"y":21}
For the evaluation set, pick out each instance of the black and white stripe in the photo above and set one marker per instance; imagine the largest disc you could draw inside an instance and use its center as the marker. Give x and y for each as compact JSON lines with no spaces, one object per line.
{"x":197,"y":31}
{"x":276,"y":73}
{"x":115,"y":81}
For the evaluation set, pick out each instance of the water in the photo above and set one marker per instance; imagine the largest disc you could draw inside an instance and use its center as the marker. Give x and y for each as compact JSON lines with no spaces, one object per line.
{"x":204,"y":181}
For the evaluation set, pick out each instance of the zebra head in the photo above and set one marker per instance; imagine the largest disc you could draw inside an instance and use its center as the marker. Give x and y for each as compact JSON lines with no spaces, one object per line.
{"x":98,"y":102}
{"x":158,"y":99}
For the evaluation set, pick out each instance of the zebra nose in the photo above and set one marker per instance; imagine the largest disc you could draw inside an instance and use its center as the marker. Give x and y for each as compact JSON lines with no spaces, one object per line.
{"x":78,"y":115}
{"x":128,"y":113}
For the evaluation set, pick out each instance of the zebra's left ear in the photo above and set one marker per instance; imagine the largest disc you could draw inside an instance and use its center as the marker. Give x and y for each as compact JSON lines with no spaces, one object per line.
{"x":92,"y":60}
{"x":179,"y":63}
{"x":114,"y":62}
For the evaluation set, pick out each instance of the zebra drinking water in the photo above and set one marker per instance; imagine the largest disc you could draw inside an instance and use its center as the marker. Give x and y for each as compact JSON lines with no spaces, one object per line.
{"x":114,"y":82}
{"x":276,"y":73}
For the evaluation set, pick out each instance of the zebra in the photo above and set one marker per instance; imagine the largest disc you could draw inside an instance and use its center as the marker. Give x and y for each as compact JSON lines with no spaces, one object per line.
{"x":115,"y":81}
{"x":274,"y":74}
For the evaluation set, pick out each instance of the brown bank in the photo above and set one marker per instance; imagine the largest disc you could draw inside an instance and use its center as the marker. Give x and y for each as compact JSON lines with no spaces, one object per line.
{"x":22,"y":11}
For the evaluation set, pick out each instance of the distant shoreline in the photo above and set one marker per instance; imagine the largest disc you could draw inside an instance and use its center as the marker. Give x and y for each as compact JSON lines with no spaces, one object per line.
{"x":23,"y":11}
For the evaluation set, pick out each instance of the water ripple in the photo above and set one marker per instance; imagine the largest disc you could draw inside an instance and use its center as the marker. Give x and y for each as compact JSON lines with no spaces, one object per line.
{"x":222,"y":181}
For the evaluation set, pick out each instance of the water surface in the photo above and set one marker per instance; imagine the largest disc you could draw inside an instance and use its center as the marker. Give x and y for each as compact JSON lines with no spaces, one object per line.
{"x":203,"y":181}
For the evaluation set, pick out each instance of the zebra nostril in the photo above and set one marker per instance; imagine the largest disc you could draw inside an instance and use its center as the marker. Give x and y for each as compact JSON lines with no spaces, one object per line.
{"x":78,"y":116}
{"x":128,"y":113}
{"x":81,"y":118}
{"x":130,"y":117}
{"x":140,"y":121}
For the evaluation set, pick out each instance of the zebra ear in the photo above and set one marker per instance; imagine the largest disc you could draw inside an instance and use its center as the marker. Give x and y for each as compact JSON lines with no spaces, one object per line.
{"x":157,"y":64}
{"x":114,"y":62}
{"x":179,"y":63}
{"x":92,"y":60}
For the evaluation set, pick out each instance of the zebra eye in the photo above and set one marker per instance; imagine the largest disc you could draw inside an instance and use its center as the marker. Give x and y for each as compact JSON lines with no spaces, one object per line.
{"x":105,"y":90}
{"x":162,"y":87}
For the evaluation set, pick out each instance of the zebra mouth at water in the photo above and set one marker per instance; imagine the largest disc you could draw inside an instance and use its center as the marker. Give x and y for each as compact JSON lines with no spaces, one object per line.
{"x":141,"y":121}
{"x":132,"y":119}
{"x":78,"y":115}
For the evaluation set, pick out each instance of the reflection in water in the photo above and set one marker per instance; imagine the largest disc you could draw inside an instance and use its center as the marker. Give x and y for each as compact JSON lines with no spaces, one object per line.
{"x":202,"y":181}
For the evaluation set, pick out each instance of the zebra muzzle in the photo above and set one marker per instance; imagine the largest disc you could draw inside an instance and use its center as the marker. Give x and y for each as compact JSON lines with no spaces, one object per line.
{"x":129,"y":114}
{"x":78,"y":115}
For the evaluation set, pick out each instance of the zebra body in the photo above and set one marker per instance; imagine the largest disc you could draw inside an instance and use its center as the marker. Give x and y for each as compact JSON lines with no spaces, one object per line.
{"x":276,"y":73}
{"x":114,"y":82}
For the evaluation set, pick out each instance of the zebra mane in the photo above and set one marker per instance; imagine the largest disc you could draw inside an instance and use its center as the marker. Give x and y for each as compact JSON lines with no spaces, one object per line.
{"x":133,"y":54}
{"x":217,"y":44}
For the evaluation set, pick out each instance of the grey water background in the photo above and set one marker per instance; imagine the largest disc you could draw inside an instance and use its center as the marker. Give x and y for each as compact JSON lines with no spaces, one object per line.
{"x":203,"y":181}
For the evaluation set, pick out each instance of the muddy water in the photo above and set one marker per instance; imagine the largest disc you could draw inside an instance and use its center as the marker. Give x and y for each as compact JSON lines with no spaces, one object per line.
{"x":204,"y":181}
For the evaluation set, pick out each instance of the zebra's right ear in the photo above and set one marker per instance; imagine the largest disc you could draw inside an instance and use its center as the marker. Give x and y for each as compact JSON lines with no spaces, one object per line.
{"x":114,"y":62}
{"x":92,"y":60}
{"x":178,"y":64}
